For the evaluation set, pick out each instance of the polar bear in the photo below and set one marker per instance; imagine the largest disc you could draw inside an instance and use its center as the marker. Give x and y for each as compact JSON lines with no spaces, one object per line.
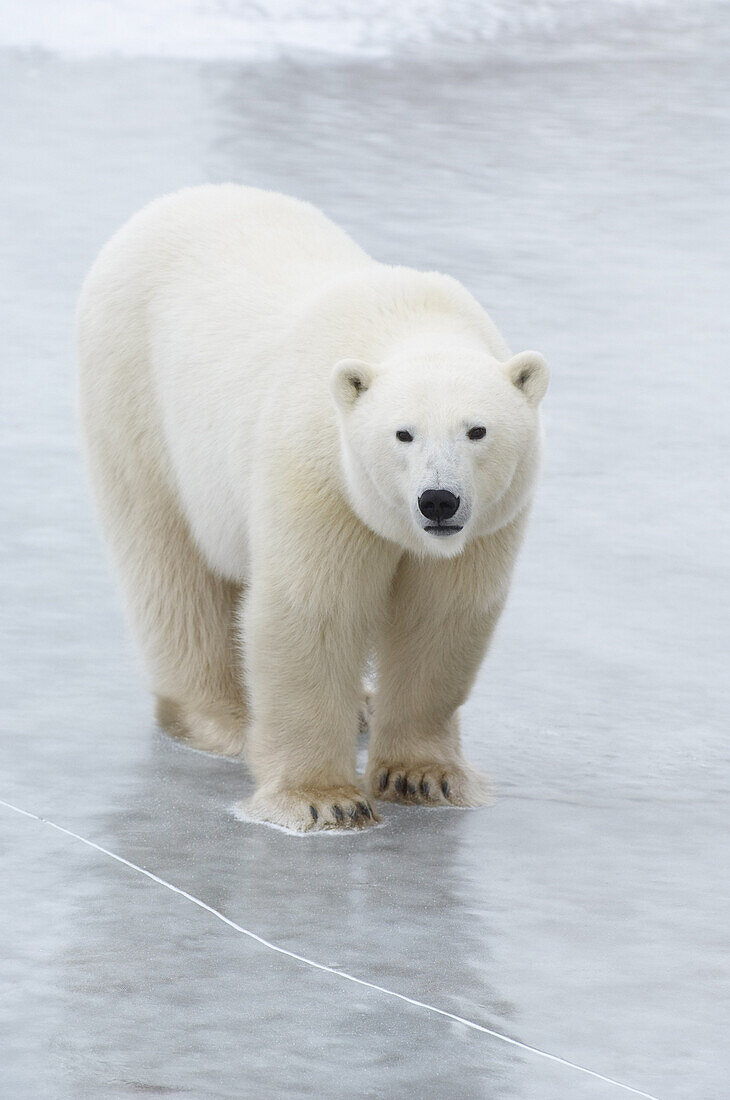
{"x":304,"y":460}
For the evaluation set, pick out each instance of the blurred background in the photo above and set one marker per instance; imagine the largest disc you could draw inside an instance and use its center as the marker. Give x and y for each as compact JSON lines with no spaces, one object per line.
{"x":568,"y":160}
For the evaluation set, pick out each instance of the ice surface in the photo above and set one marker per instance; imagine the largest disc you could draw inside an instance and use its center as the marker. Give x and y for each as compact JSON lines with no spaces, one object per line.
{"x":585,"y":203}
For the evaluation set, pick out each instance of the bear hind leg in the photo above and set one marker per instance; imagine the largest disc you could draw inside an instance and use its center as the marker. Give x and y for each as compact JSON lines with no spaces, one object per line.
{"x":184,"y":616}
{"x":192,"y":653}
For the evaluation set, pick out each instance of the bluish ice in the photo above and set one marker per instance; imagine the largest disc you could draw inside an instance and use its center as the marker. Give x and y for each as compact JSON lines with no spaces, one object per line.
{"x":570,"y":164}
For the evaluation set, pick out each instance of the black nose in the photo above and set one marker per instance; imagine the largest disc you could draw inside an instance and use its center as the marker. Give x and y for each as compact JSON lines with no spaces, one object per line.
{"x":438,"y":504}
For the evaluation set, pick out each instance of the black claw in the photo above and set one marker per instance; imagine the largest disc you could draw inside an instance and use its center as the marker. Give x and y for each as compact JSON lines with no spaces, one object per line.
{"x":364,"y":809}
{"x":445,"y":788}
{"x":353,"y":813}
{"x":384,"y":780}
{"x":337,"y":811}
{"x":425,"y":788}
{"x":411,"y":789}
{"x":314,"y":813}
{"x":400,"y":785}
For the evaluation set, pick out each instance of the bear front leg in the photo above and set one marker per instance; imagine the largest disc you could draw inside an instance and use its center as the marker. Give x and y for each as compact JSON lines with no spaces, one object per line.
{"x":305,"y":649}
{"x":441,"y":619}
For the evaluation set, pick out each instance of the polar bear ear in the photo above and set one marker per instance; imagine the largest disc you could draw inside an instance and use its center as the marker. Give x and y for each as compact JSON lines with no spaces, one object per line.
{"x":349,"y":379}
{"x":529,"y":372}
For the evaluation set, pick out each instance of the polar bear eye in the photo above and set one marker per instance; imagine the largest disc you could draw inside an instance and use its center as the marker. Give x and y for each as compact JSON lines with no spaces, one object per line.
{"x":476,"y":433}
{"x":404,"y":436}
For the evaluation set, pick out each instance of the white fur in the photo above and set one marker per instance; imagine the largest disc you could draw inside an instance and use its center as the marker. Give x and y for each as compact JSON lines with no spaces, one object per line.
{"x":244,"y":369}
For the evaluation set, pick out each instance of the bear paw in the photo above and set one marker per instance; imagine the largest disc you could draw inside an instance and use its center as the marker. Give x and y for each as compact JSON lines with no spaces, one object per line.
{"x":309,"y":810}
{"x":429,"y":784}
{"x":222,"y":732}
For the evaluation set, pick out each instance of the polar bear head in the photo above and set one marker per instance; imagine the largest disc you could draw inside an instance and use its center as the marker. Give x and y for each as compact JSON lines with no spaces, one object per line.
{"x":439,"y":445}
